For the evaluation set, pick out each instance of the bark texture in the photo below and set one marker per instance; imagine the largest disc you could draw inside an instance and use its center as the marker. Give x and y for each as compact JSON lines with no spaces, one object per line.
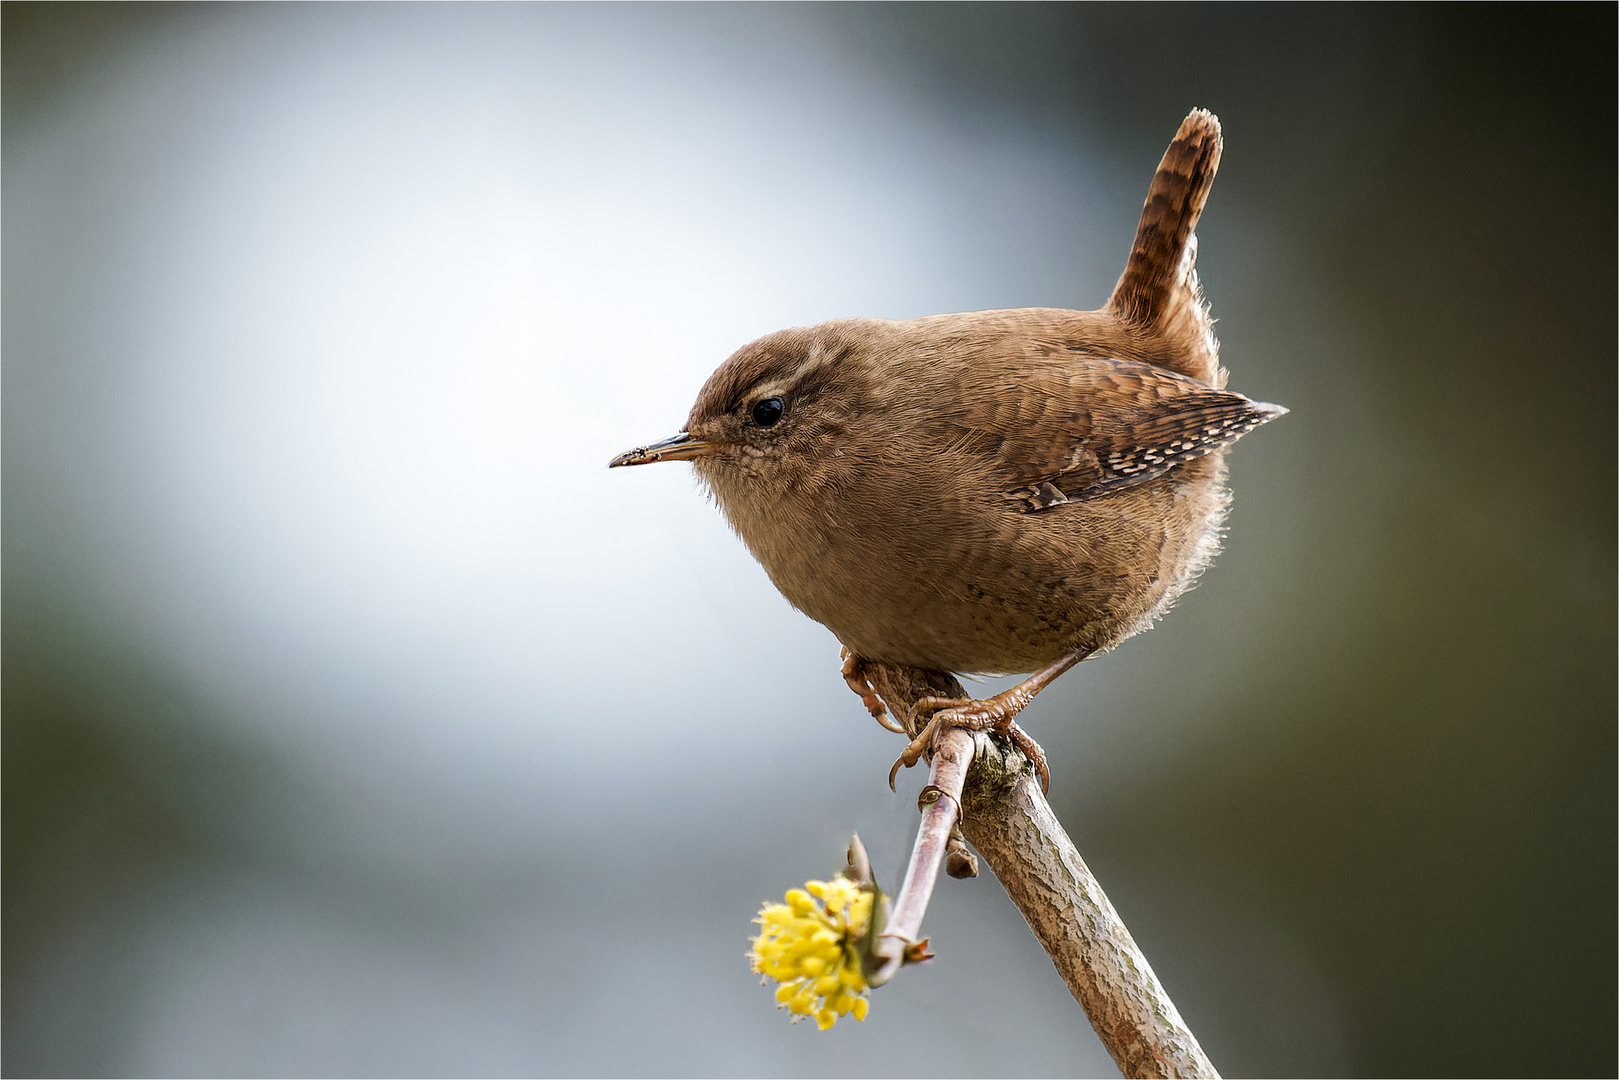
{"x":1008,"y":820}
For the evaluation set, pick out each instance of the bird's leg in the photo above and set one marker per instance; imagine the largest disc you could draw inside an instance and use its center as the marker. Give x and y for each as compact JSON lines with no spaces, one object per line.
{"x":997,"y":714}
{"x":854,"y":673}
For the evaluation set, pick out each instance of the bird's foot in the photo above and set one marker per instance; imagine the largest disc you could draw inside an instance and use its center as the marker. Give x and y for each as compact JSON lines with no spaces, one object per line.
{"x":854,"y":673}
{"x":993,"y":714}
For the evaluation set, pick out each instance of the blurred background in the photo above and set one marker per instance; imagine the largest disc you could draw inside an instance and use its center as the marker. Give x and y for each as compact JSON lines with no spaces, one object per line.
{"x":357,"y":721}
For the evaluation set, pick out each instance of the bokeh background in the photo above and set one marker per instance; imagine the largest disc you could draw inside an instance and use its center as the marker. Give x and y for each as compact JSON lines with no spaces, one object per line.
{"x":357,"y":721}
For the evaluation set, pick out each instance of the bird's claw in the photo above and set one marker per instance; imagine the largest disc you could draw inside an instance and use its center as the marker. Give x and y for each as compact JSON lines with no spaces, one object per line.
{"x":1031,"y":750}
{"x":995,"y":714}
{"x":854,"y":673}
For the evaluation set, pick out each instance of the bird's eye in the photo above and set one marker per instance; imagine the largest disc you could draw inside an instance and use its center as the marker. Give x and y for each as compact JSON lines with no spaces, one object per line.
{"x":767,"y":412}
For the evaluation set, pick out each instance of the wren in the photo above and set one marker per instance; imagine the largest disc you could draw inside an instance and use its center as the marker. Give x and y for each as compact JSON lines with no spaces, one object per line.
{"x":988,"y":492}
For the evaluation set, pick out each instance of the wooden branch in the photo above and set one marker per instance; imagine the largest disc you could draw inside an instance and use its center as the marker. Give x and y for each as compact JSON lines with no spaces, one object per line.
{"x":1006,"y":816}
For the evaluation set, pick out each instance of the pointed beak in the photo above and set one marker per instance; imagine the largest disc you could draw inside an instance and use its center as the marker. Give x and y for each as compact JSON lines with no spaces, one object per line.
{"x":680,"y":447}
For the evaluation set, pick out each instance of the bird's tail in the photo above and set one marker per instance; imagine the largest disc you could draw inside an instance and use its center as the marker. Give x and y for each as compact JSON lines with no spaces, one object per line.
{"x":1159,"y":288}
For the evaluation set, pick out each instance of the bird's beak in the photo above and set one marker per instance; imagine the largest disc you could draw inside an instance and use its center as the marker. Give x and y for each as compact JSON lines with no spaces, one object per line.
{"x":680,"y":447}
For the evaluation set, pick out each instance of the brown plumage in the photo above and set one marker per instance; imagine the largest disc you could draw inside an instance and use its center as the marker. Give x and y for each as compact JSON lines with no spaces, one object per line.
{"x":995,"y":491}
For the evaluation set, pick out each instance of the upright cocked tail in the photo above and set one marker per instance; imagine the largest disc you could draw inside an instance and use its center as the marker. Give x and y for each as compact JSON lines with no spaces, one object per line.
{"x":1159,"y":290}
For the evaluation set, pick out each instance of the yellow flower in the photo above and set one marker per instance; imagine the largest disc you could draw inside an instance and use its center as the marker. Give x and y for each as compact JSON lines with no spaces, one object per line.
{"x":809,"y":946}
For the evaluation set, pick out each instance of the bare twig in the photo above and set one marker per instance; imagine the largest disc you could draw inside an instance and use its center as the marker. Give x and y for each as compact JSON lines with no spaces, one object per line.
{"x":1004,"y":813}
{"x":940,"y":803}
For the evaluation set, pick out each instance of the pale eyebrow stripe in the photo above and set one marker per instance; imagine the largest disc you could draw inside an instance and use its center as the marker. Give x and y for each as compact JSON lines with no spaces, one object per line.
{"x":818,"y":358}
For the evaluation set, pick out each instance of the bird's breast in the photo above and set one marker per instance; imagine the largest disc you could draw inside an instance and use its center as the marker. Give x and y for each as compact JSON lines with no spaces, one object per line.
{"x":924,"y":561}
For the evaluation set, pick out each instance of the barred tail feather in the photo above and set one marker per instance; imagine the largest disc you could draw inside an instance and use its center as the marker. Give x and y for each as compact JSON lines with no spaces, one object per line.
{"x":1159,"y":288}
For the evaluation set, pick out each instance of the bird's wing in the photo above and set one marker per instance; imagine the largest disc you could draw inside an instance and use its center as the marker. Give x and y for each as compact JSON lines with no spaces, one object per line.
{"x":1080,"y":432}
{"x":1159,"y":289}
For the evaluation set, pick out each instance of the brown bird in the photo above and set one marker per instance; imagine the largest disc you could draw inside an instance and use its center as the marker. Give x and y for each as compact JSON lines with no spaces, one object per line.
{"x":989,"y":492}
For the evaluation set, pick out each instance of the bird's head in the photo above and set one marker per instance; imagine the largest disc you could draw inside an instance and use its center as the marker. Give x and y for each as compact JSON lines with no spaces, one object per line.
{"x":774,"y":413}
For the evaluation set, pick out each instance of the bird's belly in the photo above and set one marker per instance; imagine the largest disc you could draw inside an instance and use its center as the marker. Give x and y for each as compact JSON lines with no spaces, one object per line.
{"x":985,"y":588}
